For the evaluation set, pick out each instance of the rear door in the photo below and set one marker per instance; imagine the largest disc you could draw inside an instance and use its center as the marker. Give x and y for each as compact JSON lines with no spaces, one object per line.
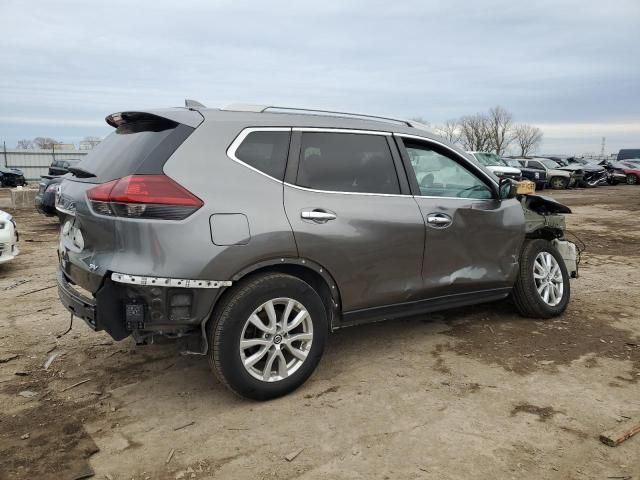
{"x":353,"y":214}
{"x":473,"y":240}
{"x":92,"y":240}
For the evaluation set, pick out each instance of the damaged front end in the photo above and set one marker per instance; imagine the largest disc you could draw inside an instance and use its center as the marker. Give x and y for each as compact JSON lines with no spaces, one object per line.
{"x":544,"y":218}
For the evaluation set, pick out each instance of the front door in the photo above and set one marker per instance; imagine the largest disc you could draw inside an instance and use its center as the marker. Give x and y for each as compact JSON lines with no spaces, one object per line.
{"x":352,"y":214}
{"x":473,"y":239}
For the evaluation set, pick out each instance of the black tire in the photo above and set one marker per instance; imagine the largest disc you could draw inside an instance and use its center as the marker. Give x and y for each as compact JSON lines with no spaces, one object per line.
{"x":631,"y":179}
{"x":528,"y":301}
{"x":226,"y":326}
{"x":558,"y":183}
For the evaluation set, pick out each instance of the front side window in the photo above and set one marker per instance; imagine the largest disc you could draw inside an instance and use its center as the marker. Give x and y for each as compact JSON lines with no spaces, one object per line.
{"x":347,"y":162}
{"x":550,"y":163}
{"x":440,"y":176}
{"x":535,"y":164}
{"x":265,"y":151}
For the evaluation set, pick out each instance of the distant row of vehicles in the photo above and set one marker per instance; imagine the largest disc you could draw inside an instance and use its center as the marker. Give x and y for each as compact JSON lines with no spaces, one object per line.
{"x":560,"y":173}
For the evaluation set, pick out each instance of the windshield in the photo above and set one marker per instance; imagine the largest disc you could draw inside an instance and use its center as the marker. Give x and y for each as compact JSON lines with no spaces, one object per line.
{"x":632,"y":163}
{"x":549,"y":163}
{"x":513,"y":163}
{"x":489,"y":159}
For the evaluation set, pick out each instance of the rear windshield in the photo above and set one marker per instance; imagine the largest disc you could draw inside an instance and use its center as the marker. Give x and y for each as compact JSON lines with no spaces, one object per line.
{"x":140,"y":147}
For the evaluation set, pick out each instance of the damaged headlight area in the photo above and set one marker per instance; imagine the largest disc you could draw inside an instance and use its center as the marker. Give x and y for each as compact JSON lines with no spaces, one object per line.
{"x":544,"y":218}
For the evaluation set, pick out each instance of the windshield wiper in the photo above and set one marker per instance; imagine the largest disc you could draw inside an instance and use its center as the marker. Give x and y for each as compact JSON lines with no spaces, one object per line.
{"x":80,"y":173}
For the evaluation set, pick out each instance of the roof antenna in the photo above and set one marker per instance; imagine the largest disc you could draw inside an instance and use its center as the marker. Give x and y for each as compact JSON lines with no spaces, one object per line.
{"x":193,"y":104}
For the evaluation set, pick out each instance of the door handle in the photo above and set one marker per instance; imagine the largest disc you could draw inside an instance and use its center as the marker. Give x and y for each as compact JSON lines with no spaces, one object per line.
{"x":439,"y":220}
{"x":318,"y":215}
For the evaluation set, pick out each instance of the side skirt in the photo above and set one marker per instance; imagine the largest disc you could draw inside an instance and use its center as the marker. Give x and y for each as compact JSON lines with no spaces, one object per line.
{"x":388,"y":312}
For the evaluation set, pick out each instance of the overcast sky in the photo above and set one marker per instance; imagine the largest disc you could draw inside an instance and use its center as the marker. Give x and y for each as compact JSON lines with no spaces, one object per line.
{"x":570,"y":67}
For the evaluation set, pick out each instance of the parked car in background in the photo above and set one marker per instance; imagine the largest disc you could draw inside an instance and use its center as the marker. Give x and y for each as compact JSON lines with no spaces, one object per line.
{"x":628,"y":153}
{"x":497,"y":165}
{"x":592,"y":173}
{"x":60,"y":167}
{"x":8,"y":237}
{"x":535,"y":175}
{"x":632,"y":171}
{"x":615,"y":171}
{"x":557,"y":177}
{"x":45,"y":200}
{"x":328,"y":231}
{"x":11,"y":177}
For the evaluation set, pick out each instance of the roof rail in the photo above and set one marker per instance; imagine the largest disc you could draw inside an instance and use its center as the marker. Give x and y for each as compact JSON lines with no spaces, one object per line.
{"x":241,"y":107}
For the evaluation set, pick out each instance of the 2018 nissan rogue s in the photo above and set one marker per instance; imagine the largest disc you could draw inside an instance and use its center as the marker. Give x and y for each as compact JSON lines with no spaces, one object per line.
{"x":252,"y":232}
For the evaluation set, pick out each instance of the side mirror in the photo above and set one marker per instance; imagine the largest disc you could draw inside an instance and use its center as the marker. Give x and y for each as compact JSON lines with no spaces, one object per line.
{"x":507,"y":188}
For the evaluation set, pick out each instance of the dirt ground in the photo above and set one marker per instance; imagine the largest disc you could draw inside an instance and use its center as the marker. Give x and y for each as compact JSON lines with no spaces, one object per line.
{"x":471,"y":393}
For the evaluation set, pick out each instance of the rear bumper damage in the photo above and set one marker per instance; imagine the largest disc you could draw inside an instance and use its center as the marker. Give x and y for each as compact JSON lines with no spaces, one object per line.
{"x":143,"y":307}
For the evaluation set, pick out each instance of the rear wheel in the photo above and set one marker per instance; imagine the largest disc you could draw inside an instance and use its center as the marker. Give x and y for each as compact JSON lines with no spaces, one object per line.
{"x":542,"y":289}
{"x":559,"y":183}
{"x":268,"y":336}
{"x":631,"y":179}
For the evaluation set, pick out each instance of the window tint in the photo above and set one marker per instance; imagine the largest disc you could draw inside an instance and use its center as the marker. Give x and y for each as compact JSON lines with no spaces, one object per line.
{"x":347,"y":162}
{"x":265,"y":151}
{"x":534,"y":164}
{"x":133,"y":145}
{"x":441,"y":176}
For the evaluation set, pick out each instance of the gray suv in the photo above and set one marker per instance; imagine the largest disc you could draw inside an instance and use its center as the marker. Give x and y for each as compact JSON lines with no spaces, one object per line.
{"x":252,"y":232}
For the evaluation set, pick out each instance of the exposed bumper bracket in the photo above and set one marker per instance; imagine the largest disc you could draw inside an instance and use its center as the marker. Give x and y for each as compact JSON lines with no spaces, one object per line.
{"x":168,"y":282}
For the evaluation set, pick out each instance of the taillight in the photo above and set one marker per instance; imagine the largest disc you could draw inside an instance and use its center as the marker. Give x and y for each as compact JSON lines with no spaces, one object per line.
{"x":144,"y":196}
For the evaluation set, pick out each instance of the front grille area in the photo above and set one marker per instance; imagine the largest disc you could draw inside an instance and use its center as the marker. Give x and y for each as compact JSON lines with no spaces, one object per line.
{"x":513,"y":176}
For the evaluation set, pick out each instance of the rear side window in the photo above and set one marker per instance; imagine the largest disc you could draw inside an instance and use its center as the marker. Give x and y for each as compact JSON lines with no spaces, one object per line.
{"x":347,"y":162}
{"x":265,"y":151}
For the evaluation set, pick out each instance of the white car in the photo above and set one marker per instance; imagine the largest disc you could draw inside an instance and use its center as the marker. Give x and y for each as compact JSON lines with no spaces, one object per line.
{"x":8,"y":237}
{"x":496,"y":165}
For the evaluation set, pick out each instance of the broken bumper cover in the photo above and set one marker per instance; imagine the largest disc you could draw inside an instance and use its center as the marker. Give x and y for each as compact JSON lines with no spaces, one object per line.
{"x":131,"y":304}
{"x":79,"y":305}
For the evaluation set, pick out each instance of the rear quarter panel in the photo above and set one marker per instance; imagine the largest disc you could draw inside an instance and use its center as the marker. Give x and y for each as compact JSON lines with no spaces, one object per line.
{"x":202,"y":166}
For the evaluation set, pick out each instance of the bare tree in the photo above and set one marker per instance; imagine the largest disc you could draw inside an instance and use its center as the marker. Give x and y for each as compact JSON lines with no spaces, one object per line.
{"x":89,"y":142}
{"x":475,"y":133}
{"x":527,"y":137}
{"x":45,"y":142}
{"x":450,"y":131}
{"x":500,"y":126}
{"x":25,"y":144}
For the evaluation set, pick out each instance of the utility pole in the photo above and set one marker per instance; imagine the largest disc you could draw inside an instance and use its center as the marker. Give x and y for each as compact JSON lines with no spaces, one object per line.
{"x":4,"y":147}
{"x":604,"y":140}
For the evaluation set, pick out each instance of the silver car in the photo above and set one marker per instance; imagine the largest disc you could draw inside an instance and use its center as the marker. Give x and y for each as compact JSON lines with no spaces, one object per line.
{"x":250,"y":233}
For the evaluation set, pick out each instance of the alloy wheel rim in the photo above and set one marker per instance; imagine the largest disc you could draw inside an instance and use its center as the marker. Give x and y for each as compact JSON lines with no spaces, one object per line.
{"x":547,"y":276}
{"x":276,"y":339}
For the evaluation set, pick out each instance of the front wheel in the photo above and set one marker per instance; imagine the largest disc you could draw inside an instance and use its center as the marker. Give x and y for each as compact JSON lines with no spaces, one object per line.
{"x":631,"y":179}
{"x":542,"y":289}
{"x":559,"y":183}
{"x":268,"y":336}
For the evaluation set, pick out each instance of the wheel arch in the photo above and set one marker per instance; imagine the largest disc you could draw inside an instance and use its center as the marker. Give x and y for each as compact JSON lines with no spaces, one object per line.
{"x":307,"y":270}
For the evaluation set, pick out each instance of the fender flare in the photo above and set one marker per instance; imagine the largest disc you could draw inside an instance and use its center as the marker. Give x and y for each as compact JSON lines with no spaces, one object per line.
{"x":298,"y":262}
